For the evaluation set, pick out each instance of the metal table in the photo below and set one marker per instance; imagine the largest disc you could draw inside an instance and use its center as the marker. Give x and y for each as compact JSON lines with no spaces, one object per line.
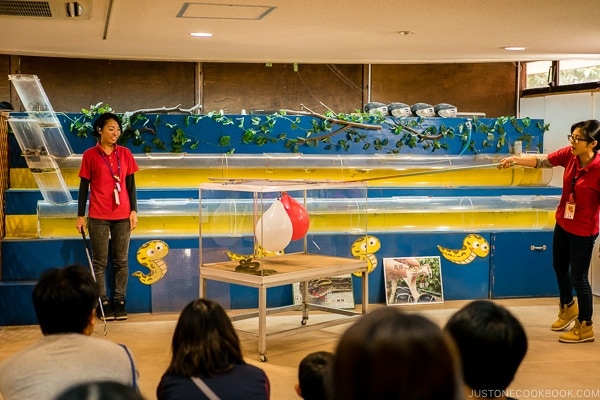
{"x":291,"y":268}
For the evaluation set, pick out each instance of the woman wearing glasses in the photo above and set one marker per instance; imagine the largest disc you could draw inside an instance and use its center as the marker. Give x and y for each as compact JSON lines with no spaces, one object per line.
{"x":576,"y":225}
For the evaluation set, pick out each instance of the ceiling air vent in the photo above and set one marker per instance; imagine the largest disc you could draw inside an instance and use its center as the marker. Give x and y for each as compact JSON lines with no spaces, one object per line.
{"x":56,"y":9}
{"x":21,"y":8}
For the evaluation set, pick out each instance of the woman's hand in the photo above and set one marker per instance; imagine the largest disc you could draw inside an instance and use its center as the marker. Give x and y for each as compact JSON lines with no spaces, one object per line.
{"x":80,"y":224}
{"x":133,"y":221}
{"x":507,"y":162}
{"x":525,"y":160}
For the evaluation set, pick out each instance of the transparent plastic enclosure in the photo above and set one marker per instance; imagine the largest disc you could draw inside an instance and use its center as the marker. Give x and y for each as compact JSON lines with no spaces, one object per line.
{"x":37,"y":105}
{"x":175,"y":170}
{"x":157,"y":217}
{"x":49,"y":180}
{"x":229,"y":217}
{"x":263,"y":218}
{"x":43,"y":167}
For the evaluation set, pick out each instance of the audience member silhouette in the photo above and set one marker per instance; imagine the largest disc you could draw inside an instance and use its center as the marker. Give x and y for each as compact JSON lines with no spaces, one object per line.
{"x":207,"y":359}
{"x":492,"y":343}
{"x":104,"y":390}
{"x":390,"y":354}
{"x":65,"y":301}
{"x":314,"y":376}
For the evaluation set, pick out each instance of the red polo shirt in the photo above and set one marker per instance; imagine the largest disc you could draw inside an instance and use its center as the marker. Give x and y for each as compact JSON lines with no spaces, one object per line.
{"x":99,"y":168}
{"x":586,"y":196}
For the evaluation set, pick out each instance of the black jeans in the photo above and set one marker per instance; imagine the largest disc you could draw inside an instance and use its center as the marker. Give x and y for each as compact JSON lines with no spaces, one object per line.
{"x":572,"y":255}
{"x":118,"y":234}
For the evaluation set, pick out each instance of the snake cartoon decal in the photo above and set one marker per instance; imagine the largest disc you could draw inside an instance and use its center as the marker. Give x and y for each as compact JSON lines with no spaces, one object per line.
{"x":364,"y":249}
{"x":151,"y":255}
{"x":473,"y":246}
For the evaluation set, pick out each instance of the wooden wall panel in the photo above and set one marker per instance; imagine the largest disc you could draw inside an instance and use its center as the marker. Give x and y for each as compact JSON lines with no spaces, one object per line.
{"x":487,"y":87}
{"x":4,"y":82}
{"x":232,"y":87}
{"x":73,"y":84}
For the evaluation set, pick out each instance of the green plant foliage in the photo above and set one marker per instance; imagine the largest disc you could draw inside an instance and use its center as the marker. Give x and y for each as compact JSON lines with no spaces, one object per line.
{"x":331,"y":132}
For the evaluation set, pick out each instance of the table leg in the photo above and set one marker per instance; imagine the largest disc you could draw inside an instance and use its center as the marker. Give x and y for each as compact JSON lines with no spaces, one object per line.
{"x":365,"y":292}
{"x":304,"y":302}
{"x":262,"y":323}
{"x":202,"y":287}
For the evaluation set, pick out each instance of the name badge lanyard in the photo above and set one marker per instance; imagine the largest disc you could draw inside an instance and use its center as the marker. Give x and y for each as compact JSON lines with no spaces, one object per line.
{"x":578,"y":174}
{"x":570,"y":205}
{"x":116,"y":177}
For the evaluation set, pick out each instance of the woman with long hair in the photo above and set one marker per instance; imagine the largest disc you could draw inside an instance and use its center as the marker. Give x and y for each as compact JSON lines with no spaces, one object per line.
{"x":207,"y":361}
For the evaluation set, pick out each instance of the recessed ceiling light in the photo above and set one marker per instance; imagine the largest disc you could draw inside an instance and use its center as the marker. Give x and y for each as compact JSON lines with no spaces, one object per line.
{"x":405,"y":33}
{"x":201,"y":34}
{"x":514,"y":48}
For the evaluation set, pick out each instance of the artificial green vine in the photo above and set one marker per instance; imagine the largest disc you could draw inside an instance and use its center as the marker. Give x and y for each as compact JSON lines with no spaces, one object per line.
{"x":331,"y":130}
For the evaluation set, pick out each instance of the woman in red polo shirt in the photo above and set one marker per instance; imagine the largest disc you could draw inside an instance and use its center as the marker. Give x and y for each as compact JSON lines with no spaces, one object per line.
{"x":107,"y":172}
{"x":576,"y":225}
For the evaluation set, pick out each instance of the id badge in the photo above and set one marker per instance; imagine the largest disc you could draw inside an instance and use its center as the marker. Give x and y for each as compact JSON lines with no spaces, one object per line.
{"x":117,"y":200}
{"x":569,"y":210}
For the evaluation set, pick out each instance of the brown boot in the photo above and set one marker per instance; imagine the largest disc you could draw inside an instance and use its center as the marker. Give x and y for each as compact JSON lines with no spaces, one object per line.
{"x":581,"y":332}
{"x":566,"y":315}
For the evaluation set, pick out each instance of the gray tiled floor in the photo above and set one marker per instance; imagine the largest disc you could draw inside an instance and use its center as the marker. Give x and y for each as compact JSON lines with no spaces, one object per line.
{"x":551,"y":370}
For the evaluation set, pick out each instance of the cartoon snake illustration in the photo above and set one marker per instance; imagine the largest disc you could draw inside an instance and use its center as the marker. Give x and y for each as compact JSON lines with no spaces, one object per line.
{"x":473,"y":246}
{"x":364,"y":249}
{"x":151,"y":255}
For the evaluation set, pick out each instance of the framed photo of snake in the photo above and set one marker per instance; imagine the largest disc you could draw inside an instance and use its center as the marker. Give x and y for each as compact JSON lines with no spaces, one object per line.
{"x":413,"y":280}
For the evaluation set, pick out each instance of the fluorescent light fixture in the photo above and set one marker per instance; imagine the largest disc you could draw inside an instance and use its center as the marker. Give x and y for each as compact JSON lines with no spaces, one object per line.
{"x":514,"y":48}
{"x":201,"y":34}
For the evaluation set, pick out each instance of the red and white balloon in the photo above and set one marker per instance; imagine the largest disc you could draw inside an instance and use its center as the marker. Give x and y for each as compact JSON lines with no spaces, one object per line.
{"x":298,"y":215}
{"x":285,"y":220}
{"x":274,"y":228}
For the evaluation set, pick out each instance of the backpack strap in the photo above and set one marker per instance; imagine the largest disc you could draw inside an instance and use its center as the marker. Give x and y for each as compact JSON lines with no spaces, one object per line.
{"x":133,"y":370}
{"x":204,"y":388}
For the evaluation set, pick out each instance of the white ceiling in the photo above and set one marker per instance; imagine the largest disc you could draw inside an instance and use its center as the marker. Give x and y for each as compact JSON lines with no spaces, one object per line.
{"x":311,"y":31}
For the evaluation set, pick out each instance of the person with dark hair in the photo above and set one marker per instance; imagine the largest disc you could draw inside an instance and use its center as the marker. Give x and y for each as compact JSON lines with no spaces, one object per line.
{"x":107,"y":171}
{"x":207,"y":361}
{"x":314,"y":376}
{"x":492,"y":343}
{"x":5,"y":105}
{"x":576,"y":226}
{"x":104,"y":390}
{"x":390,"y":354}
{"x":65,"y":301}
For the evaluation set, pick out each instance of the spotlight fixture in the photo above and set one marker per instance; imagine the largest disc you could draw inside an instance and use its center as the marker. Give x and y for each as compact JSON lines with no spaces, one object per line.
{"x":445,"y":110}
{"x":201,"y":34}
{"x":376,"y":107}
{"x":422,"y":110}
{"x":399,"y":110}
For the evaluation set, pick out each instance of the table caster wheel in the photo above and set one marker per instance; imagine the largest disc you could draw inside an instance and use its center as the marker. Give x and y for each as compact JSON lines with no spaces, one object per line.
{"x":303,"y":322}
{"x":263,"y":358}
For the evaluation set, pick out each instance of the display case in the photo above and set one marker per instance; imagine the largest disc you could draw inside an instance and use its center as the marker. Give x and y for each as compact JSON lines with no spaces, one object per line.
{"x":185,"y":170}
{"x":418,"y":201}
{"x":259,"y":234}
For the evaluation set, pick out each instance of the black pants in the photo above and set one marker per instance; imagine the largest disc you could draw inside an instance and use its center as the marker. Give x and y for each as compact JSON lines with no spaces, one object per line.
{"x":571,"y":261}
